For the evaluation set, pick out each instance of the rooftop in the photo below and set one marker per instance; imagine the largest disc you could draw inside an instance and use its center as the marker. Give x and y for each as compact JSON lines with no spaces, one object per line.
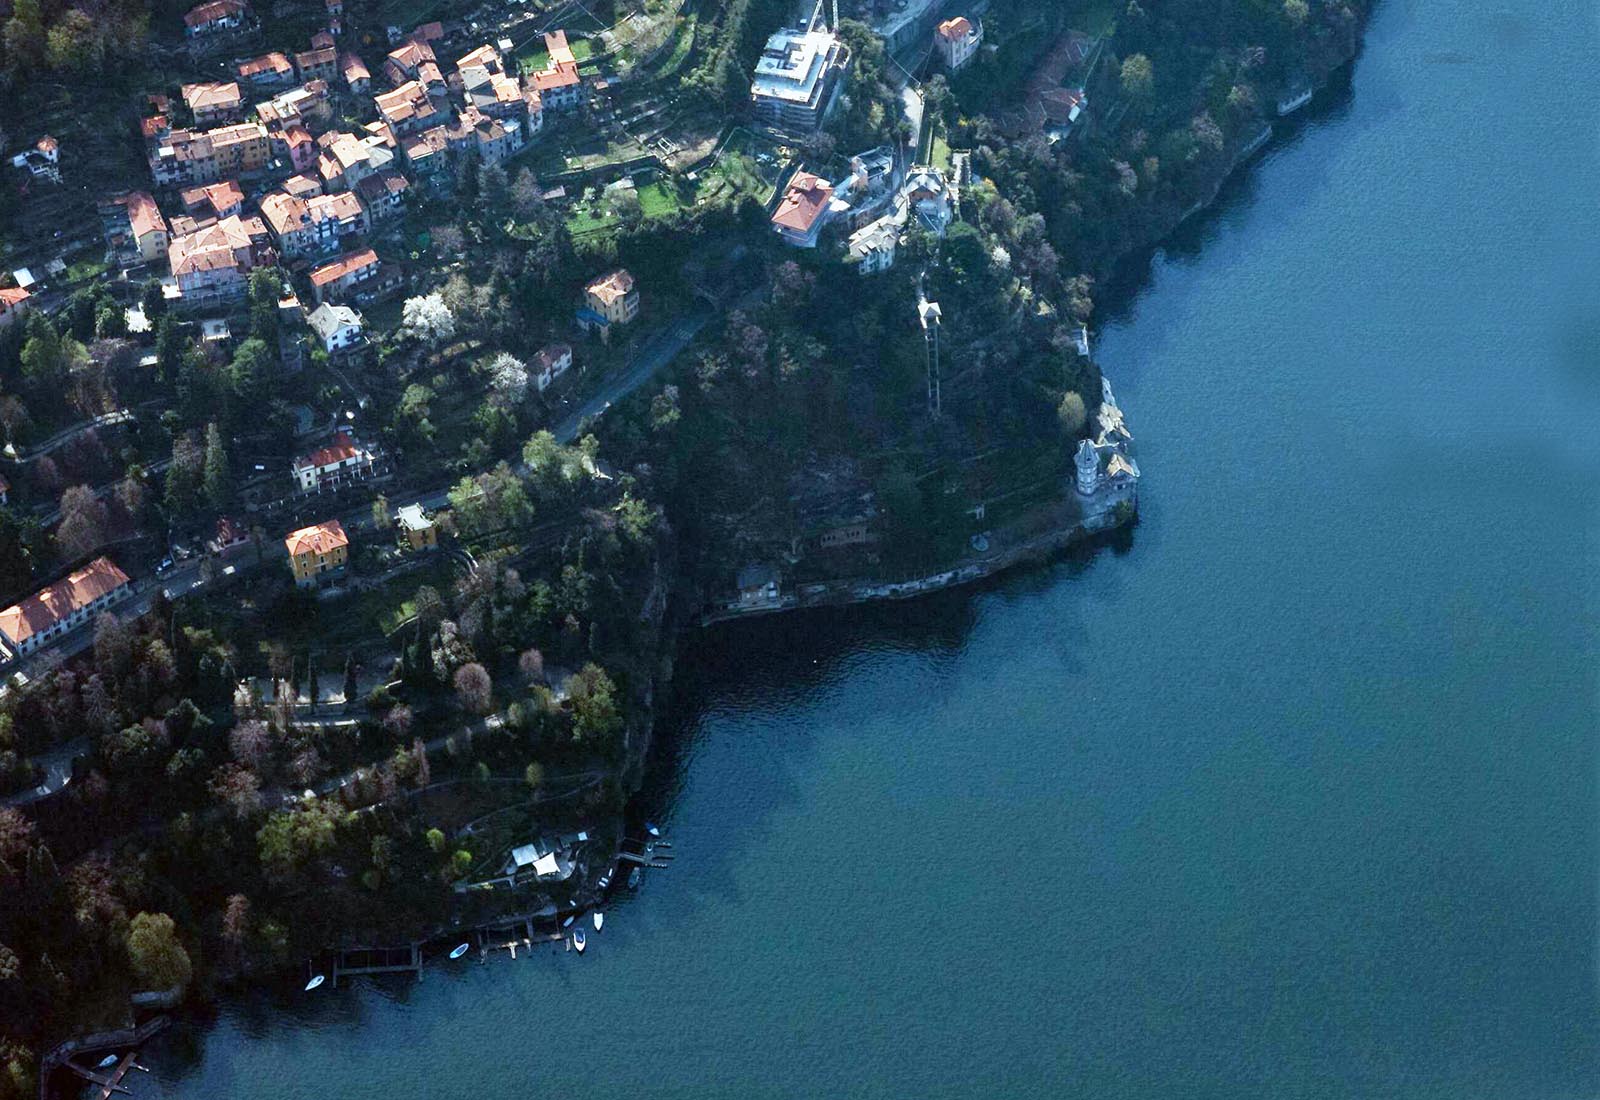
{"x":319,"y":538}
{"x":792,"y":64}
{"x":49,"y":606}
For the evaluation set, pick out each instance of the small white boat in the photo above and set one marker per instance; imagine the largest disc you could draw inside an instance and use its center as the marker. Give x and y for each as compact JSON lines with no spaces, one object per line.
{"x":568,"y":922}
{"x":633,"y":878}
{"x":314,"y":982}
{"x":107,"y":1062}
{"x":605,"y":880}
{"x":578,"y":941}
{"x":458,"y":952}
{"x":599,"y":920}
{"x":651,"y":829}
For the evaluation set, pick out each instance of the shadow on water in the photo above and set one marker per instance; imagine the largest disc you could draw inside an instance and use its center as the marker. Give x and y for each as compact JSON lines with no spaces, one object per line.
{"x":1328,"y":115}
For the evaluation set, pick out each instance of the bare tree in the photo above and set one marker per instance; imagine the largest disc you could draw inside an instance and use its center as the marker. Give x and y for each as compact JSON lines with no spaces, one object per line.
{"x":473,"y":687}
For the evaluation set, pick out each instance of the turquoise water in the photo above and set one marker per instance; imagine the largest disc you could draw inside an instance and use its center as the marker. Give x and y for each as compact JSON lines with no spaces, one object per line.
{"x":1293,"y":795}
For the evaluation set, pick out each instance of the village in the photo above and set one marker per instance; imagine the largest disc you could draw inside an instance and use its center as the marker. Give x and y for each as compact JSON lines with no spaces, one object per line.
{"x":303,"y":165}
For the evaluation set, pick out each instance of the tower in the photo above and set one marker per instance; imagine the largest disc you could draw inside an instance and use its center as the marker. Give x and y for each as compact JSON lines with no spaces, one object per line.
{"x":1088,"y":463}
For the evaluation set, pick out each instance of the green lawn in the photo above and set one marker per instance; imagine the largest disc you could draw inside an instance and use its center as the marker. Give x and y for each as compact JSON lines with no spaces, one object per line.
{"x":940,"y":155}
{"x":657,"y":199}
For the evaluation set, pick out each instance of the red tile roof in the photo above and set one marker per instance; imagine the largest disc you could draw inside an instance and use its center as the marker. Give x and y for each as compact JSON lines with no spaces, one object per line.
{"x":49,"y":606}
{"x":319,"y":538}
{"x":334,"y":270}
{"x":803,"y":203}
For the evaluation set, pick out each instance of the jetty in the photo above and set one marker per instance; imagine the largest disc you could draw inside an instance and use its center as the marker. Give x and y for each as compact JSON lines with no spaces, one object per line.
{"x":377,"y":960}
{"x":63,"y":1055}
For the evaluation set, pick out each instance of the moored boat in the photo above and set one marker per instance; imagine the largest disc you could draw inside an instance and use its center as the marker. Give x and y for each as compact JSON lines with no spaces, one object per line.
{"x":459,"y":951}
{"x":599,"y":920}
{"x":314,"y":982}
{"x":107,"y":1062}
{"x":651,"y":829}
{"x":567,"y":923}
{"x":578,"y":940}
{"x":633,"y":878}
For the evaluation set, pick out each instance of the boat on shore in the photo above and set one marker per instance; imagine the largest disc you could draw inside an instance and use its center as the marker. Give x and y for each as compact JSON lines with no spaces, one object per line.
{"x":599,"y":920}
{"x":578,"y":940}
{"x":459,"y":951}
{"x":567,"y":923}
{"x":107,"y":1062}
{"x":315,"y":981}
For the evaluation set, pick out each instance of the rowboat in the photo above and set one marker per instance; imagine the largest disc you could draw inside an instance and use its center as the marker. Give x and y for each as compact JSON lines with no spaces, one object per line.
{"x":651,"y":829}
{"x":314,"y":982}
{"x":458,"y":952}
{"x":568,"y":922}
{"x":107,"y":1062}
{"x":633,"y":878}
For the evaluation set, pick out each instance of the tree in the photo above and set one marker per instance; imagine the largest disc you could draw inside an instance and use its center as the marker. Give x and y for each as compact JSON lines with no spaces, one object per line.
{"x":266,"y":291}
{"x":44,"y":357}
{"x":531,"y":665}
{"x":473,"y":687}
{"x":381,"y":519}
{"x":16,"y":551}
{"x":1072,"y":414}
{"x":508,"y":377}
{"x":113,"y":646}
{"x":215,"y":481}
{"x":596,"y":720}
{"x":83,"y":522}
{"x":533,"y":775}
{"x":1296,"y":11}
{"x":428,"y":319}
{"x":350,"y":684}
{"x":159,"y":961}
{"x":311,"y":679}
{"x":184,"y":475}
{"x":236,"y":921}
{"x":251,"y":372}
{"x":1138,"y":77}
{"x":153,"y":301}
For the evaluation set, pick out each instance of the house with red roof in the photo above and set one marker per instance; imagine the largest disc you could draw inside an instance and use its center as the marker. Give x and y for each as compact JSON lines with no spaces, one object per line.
{"x":804,"y":209}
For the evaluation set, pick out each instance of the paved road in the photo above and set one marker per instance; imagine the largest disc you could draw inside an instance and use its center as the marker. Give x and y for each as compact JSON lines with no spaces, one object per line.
{"x":658,"y":351}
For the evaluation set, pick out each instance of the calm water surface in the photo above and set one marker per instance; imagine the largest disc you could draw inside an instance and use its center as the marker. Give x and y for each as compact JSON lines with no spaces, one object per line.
{"x":1294,"y":796}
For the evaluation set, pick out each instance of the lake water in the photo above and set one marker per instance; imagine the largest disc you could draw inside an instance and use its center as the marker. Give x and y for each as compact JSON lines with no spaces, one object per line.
{"x":1292,"y":796}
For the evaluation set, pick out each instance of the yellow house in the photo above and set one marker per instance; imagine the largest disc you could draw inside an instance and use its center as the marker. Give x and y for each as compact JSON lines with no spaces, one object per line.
{"x":316,"y":550}
{"x":614,"y":297}
{"x":421,"y":533}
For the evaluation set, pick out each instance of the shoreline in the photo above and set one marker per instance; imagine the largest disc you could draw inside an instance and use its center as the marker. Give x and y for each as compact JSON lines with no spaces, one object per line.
{"x":671,"y":627}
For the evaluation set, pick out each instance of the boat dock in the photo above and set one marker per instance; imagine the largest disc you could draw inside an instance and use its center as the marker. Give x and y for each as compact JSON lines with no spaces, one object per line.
{"x":377,"y":960}
{"x":64,"y":1056}
{"x":509,"y":937}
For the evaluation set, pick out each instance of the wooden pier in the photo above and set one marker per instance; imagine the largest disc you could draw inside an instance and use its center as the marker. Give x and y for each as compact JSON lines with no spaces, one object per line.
{"x":377,"y":960}
{"x":63,"y":1054}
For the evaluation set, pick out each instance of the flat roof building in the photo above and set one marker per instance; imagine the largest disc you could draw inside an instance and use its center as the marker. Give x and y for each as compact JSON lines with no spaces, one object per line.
{"x":796,"y":78}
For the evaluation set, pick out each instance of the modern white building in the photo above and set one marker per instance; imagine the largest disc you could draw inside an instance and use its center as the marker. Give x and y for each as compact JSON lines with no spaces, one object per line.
{"x":796,"y":78}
